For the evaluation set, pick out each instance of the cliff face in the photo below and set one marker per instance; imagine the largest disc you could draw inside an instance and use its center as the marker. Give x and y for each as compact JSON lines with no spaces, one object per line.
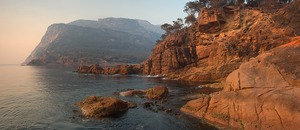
{"x":262,"y":94}
{"x":107,"y":42}
{"x":232,"y":37}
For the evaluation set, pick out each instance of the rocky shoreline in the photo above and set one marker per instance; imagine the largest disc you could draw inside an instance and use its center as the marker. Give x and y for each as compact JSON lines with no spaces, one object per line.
{"x":262,"y":94}
{"x":253,"y":53}
{"x":99,"y":107}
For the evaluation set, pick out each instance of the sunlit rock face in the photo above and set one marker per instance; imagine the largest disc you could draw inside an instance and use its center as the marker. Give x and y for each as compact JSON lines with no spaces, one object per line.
{"x":237,"y":34}
{"x":106,"y":41}
{"x":98,"y":107}
{"x":262,"y":94}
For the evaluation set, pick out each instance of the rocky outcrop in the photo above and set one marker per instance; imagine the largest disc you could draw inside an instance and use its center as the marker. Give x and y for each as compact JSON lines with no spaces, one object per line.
{"x":123,"y":69}
{"x":210,"y":20}
{"x":119,"y":69}
{"x":158,"y":92}
{"x":262,"y":94}
{"x":278,"y":68}
{"x":95,"y":68}
{"x":198,"y":56}
{"x":97,"y":107}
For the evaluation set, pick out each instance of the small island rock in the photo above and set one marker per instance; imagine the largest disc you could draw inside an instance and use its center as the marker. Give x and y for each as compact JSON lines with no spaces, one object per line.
{"x":97,"y":107}
{"x":158,"y":92}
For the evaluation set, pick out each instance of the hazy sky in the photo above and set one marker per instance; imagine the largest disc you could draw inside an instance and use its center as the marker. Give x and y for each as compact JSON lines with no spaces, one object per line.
{"x":24,"y":22}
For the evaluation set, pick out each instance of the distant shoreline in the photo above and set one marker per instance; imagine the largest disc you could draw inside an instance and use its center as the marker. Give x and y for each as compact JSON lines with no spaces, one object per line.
{"x":10,"y":64}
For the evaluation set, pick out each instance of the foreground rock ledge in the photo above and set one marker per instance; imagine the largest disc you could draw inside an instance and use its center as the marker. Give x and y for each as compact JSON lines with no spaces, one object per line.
{"x":263,"y":93}
{"x":97,"y":107}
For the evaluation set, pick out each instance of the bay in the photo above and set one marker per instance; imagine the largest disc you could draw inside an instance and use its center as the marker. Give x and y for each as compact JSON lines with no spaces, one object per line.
{"x":37,"y":97}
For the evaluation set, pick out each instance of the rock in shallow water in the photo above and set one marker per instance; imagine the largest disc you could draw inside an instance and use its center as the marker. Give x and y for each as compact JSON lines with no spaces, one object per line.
{"x":132,"y":105}
{"x":97,"y":107}
{"x":131,"y":93}
{"x":158,"y":92}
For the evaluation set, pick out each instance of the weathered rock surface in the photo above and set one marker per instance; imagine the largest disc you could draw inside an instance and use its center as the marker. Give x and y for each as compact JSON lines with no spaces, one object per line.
{"x":158,"y":92}
{"x":210,"y":20}
{"x":278,"y":68}
{"x":194,"y":55}
{"x":97,"y":107}
{"x":263,"y":93}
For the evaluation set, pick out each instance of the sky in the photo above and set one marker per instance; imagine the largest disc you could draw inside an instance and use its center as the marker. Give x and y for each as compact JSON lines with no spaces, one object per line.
{"x":24,"y":22}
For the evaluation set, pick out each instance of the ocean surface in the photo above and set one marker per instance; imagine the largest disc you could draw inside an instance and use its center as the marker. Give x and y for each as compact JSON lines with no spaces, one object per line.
{"x":44,"y":97}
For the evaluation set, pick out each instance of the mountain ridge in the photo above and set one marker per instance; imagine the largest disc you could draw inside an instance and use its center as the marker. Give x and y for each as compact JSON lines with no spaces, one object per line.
{"x":94,"y":42}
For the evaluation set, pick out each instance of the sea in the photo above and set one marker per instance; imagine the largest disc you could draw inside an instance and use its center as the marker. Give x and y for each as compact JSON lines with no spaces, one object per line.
{"x":39,"y":97}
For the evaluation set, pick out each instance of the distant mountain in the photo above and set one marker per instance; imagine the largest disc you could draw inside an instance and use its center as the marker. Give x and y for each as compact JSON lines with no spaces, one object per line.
{"x":106,"y":41}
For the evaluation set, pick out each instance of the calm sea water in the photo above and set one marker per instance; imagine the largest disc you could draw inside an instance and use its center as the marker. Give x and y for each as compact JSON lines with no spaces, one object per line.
{"x":44,"y":97}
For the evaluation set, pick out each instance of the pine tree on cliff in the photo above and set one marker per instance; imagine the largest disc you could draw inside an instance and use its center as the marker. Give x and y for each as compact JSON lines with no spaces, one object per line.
{"x":169,"y":29}
{"x":191,"y":8}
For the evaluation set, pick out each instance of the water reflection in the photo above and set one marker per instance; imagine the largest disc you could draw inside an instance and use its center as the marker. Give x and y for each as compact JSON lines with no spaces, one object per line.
{"x":19,"y":96}
{"x":43,"y":98}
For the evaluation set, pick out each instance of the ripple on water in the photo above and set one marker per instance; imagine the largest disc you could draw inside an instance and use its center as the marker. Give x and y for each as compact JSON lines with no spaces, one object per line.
{"x":45,"y":97}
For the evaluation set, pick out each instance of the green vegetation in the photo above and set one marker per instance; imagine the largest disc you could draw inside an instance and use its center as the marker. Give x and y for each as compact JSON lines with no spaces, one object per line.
{"x":242,"y":124}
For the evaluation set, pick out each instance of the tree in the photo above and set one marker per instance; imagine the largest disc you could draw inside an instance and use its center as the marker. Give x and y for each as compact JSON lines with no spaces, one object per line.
{"x":178,"y":24}
{"x":192,"y":7}
{"x":220,"y":3}
{"x":190,"y":19}
{"x":168,"y":28}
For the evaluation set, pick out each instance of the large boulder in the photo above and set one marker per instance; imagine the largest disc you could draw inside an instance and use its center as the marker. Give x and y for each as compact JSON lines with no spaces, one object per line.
{"x":263,"y":93}
{"x":97,"y":107}
{"x":158,"y":92}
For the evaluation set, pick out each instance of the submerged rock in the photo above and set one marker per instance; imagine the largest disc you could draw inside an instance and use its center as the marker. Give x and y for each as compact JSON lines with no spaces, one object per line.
{"x":97,"y":107}
{"x":131,"y":93}
{"x":132,"y":105}
{"x":158,"y":92}
{"x":147,"y":104}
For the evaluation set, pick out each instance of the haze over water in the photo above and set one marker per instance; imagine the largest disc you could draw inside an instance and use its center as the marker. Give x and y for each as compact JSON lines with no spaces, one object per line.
{"x":44,"y":97}
{"x":24,"y":22}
